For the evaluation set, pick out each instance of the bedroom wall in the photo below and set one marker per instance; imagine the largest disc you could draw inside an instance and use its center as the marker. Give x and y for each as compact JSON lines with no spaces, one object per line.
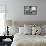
{"x":19,"y":10}
{"x":15,"y":9}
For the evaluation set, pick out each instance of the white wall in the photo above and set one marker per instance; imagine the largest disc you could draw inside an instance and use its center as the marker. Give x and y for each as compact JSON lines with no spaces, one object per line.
{"x":15,"y":9}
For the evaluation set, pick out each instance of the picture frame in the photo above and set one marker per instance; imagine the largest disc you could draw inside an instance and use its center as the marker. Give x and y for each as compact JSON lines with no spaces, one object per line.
{"x":30,"y":10}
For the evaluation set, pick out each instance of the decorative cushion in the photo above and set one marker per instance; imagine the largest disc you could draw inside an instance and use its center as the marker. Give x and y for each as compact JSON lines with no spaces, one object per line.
{"x":36,"y":30}
{"x":24,"y":30}
{"x":13,"y":30}
{"x":28,"y":28}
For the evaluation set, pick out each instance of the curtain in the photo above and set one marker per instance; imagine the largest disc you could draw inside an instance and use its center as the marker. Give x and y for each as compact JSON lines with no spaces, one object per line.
{"x":2,"y":19}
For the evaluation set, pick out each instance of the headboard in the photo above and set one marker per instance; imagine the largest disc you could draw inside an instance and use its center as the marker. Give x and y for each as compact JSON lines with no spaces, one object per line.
{"x":21,"y":23}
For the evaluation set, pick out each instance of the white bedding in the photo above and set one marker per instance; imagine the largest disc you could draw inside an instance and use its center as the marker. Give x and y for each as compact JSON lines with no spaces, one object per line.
{"x":29,"y":40}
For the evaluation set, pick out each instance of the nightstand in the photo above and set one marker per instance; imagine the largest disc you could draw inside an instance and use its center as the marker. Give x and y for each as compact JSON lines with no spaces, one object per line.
{"x":6,"y":40}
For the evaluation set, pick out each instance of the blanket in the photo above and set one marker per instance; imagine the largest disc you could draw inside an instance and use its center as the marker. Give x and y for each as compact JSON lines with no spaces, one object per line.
{"x":29,"y":40}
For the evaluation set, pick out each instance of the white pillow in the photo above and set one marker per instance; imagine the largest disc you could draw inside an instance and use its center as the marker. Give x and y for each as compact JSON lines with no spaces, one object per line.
{"x":44,"y":26}
{"x":36,"y":30}
{"x":24,"y":30}
{"x":28,"y":26}
{"x":21,"y":30}
{"x":13,"y":30}
{"x":44,"y":29}
{"x":28,"y":31}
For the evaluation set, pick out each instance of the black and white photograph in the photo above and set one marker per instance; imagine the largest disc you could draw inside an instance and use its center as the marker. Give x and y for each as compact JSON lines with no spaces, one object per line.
{"x":30,"y":10}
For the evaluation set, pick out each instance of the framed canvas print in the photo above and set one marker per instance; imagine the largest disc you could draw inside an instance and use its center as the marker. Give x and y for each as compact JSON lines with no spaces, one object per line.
{"x":30,"y":10}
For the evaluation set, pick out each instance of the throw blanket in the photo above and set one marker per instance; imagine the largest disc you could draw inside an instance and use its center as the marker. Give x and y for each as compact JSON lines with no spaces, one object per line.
{"x":29,"y":40}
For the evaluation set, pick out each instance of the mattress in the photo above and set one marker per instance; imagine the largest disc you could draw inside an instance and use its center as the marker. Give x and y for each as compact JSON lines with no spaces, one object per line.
{"x":28,"y":40}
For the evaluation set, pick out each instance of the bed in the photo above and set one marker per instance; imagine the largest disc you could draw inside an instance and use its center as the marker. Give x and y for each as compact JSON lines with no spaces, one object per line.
{"x":29,"y":40}
{"x":21,"y":39}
